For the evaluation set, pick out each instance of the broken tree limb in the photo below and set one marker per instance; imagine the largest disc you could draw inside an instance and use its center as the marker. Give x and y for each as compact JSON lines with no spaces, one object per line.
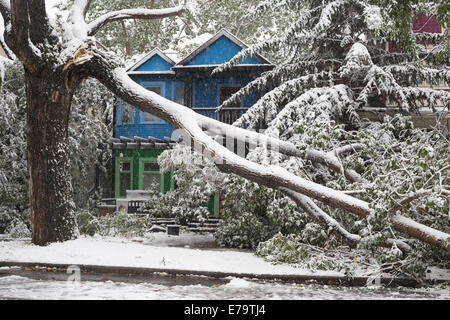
{"x":113,"y":75}
{"x":330,"y":224}
{"x":419,"y":231}
{"x":323,"y":219}
{"x":331,"y":161}
{"x":287,"y":148}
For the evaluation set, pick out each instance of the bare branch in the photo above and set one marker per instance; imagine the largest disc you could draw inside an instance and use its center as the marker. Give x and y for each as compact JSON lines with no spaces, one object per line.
{"x":403,"y":246}
{"x":41,"y":30}
{"x":320,"y":217}
{"x":140,"y":13}
{"x":416,"y":195}
{"x":347,"y":150}
{"x":19,"y":39}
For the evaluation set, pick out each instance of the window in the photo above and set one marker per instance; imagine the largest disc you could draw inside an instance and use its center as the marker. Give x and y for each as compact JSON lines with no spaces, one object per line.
{"x":179,"y":95}
{"x":150,"y":176}
{"x":148,"y":117}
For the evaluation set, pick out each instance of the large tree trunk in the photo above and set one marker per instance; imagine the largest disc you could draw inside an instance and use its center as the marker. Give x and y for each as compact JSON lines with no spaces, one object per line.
{"x":51,"y":205}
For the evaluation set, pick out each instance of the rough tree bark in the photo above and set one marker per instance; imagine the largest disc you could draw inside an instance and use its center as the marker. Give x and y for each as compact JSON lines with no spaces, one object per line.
{"x":48,"y":107}
{"x":54,"y":67}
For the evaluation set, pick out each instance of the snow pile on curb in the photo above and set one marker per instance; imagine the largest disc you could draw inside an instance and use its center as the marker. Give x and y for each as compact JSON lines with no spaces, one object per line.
{"x":238,"y":283}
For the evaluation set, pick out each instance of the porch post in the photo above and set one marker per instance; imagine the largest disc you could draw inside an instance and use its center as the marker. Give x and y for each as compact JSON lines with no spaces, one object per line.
{"x":188,"y":91}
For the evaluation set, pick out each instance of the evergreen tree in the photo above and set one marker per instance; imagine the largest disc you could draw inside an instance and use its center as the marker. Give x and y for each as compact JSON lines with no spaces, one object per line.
{"x":343,"y":42}
{"x":338,"y":58}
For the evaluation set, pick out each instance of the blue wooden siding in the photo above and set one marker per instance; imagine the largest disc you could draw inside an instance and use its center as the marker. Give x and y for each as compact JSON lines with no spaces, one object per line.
{"x":138,"y":126}
{"x":206,"y":92}
{"x":155,"y":63}
{"x":219,"y":52}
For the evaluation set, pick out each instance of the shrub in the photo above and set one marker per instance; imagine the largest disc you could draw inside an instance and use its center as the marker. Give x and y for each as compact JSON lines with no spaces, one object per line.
{"x":118,"y":224}
{"x":291,"y":249}
{"x":254,"y":213}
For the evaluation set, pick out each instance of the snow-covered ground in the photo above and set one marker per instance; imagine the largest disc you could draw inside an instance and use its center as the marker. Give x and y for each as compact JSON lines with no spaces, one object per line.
{"x":187,"y":252}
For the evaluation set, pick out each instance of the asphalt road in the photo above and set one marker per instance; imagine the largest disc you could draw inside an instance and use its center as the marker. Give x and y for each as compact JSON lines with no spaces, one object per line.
{"x":53,"y":284}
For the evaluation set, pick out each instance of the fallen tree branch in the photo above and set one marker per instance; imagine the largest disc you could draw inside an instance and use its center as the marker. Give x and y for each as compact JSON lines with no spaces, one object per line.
{"x":113,"y":75}
{"x":287,"y":148}
{"x":331,"y":161}
{"x":320,"y":217}
{"x":330,"y":224}
{"x":416,"y":195}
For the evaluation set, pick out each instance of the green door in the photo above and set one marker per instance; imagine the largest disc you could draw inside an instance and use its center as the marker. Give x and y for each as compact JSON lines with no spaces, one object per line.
{"x":123,"y":176}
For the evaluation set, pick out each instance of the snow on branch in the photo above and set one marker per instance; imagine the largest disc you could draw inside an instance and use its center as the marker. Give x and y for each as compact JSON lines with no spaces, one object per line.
{"x":319,"y":216}
{"x":274,"y":5}
{"x":326,"y":17}
{"x":18,"y":35}
{"x":267,"y":108}
{"x":415,"y":75}
{"x":113,"y":75}
{"x":328,"y":102}
{"x":77,"y":18}
{"x":140,"y":13}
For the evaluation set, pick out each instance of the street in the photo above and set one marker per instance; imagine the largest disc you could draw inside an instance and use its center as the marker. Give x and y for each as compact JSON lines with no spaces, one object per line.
{"x":16,"y":283}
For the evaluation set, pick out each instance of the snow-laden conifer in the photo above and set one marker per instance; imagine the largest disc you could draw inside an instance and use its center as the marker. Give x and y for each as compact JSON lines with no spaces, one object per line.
{"x":346,"y":40}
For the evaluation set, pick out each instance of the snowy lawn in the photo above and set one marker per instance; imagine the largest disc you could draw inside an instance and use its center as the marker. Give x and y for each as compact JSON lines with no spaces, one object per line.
{"x":186,"y":252}
{"x":189,"y":251}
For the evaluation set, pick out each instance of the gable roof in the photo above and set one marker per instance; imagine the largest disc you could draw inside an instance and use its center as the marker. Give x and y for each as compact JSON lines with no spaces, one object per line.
{"x":148,"y":57}
{"x":207,"y":44}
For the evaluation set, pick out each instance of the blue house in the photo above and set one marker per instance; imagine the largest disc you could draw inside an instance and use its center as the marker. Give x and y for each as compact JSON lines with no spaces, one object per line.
{"x":140,"y":137}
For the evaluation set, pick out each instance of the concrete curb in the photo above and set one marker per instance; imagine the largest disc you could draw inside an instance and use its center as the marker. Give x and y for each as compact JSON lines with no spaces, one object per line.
{"x":143,"y":273}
